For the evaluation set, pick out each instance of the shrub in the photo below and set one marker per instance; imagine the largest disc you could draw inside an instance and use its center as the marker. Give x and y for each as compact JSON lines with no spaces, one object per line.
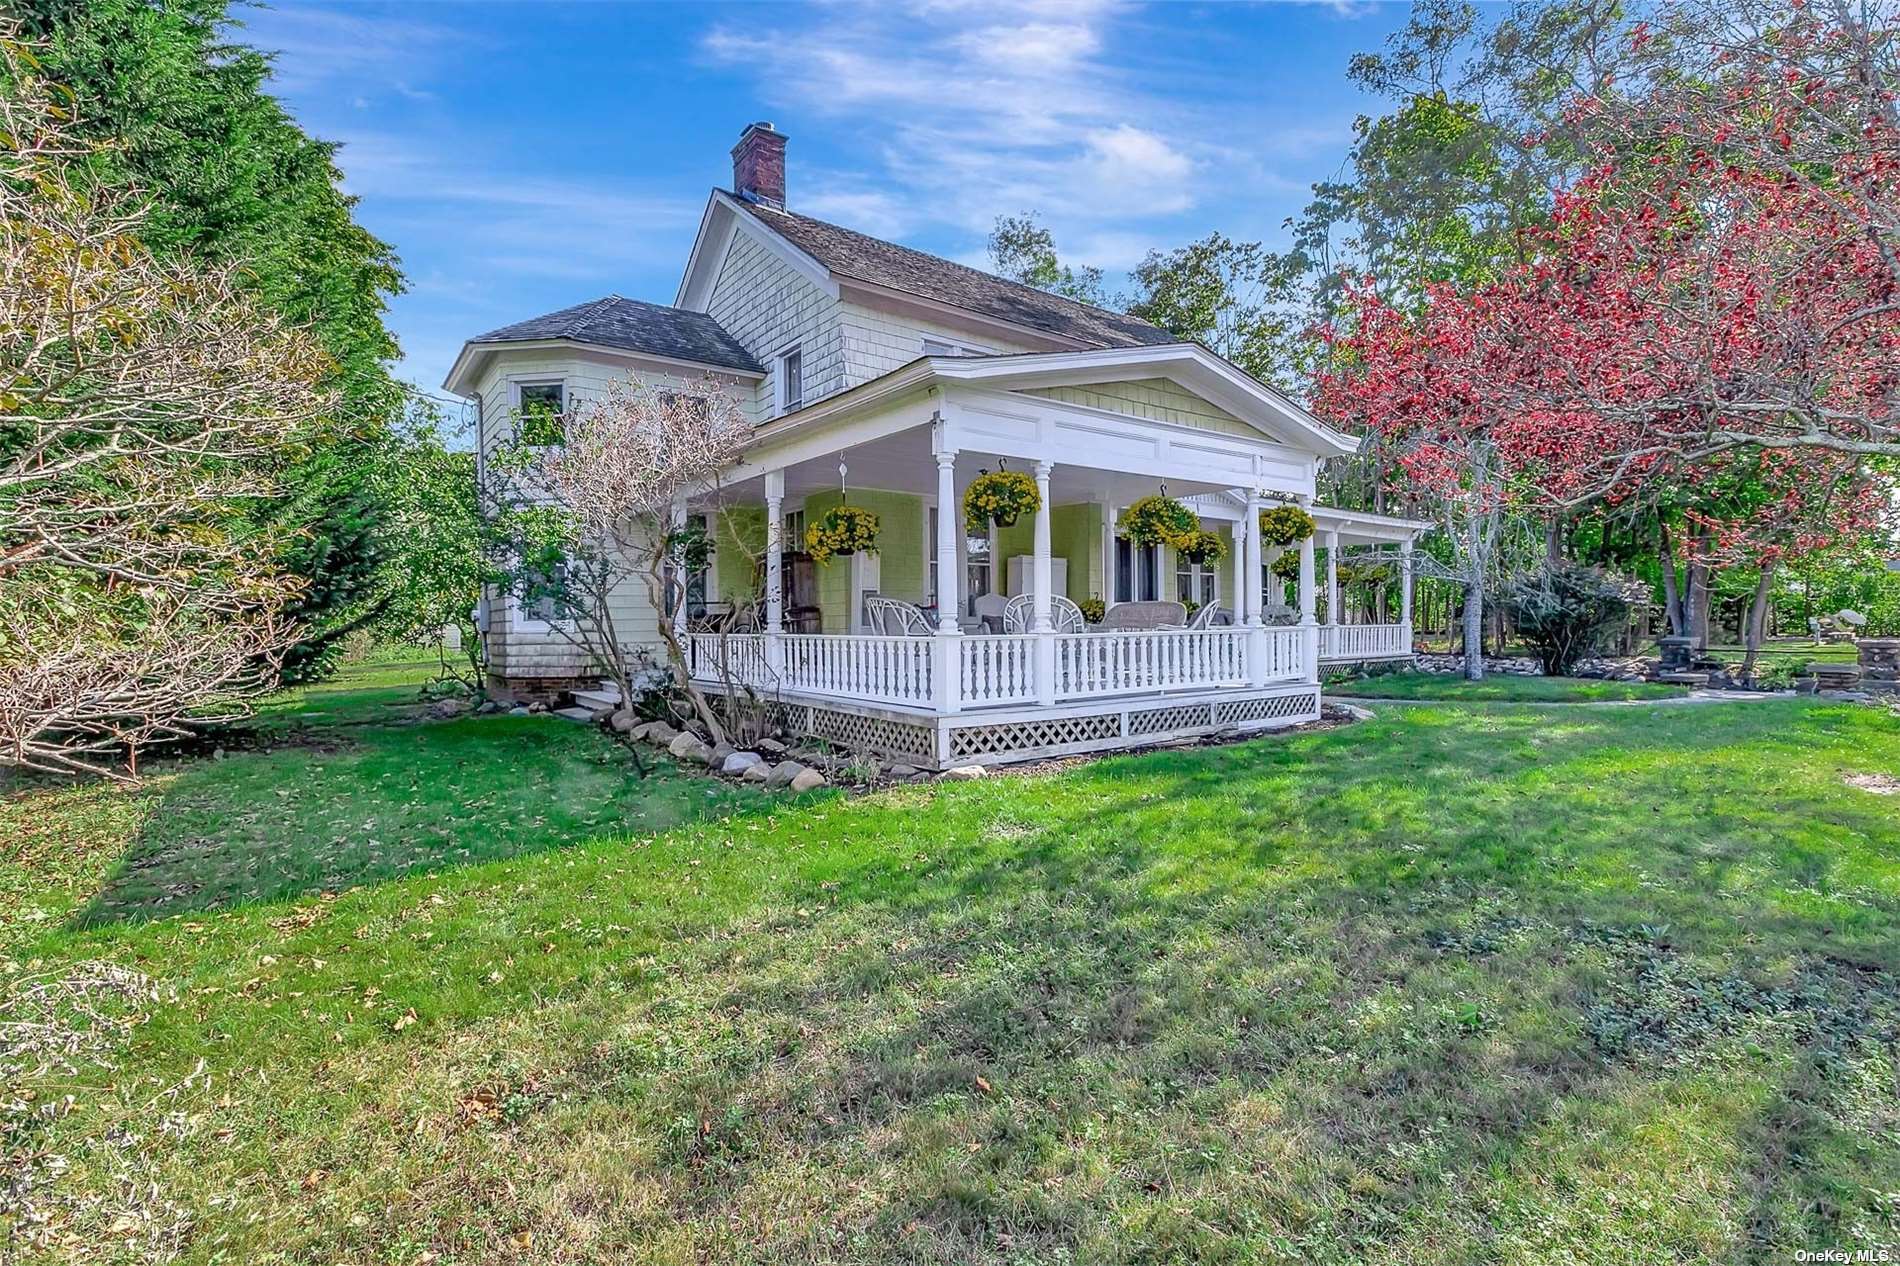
{"x":1565,"y":612}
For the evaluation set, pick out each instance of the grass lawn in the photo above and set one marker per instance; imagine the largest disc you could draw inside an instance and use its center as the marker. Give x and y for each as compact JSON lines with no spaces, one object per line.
{"x":1455,"y":985}
{"x":1499,"y":688}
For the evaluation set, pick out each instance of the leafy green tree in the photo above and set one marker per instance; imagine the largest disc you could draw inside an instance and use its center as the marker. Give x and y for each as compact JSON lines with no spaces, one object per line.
{"x":1238,"y":299}
{"x":185,"y":116}
{"x":1023,"y":249}
{"x":436,"y":537}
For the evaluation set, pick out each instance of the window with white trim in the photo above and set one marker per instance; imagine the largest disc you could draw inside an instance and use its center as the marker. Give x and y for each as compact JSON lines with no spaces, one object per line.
{"x":791,"y":380}
{"x":1137,"y":571}
{"x":543,"y":597}
{"x":1196,"y":583}
{"x":541,"y":412}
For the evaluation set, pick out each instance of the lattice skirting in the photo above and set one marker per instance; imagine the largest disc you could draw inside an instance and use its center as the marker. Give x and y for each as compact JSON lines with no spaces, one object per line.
{"x":1030,"y":734}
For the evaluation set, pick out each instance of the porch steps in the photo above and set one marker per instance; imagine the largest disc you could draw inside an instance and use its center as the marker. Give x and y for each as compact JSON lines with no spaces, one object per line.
{"x":599,"y":701}
{"x":576,"y":714}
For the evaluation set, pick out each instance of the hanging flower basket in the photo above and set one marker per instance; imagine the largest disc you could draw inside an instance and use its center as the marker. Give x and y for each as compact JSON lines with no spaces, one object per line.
{"x":1157,"y":521}
{"x":841,"y":532}
{"x":1093,"y":609}
{"x":1285,"y":525}
{"x":1000,"y":497}
{"x":1203,"y":547}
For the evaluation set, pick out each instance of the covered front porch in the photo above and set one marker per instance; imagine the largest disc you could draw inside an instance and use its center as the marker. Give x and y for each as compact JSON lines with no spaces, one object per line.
{"x":970,"y":677}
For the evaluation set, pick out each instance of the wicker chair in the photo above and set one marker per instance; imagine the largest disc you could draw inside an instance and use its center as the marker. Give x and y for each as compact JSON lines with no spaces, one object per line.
{"x":1019,"y":612}
{"x":894,"y":618}
{"x":1211,"y":617}
{"x":1124,"y":616}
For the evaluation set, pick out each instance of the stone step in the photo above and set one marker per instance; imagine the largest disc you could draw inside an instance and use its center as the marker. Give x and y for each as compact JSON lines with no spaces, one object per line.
{"x":576,"y":714}
{"x":1683,"y":679}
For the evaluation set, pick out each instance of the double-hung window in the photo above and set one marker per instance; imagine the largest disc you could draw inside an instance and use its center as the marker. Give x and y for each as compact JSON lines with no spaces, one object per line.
{"x":542,"y":409}
{"x":1197,"y":584}
{"x":791,"y":380}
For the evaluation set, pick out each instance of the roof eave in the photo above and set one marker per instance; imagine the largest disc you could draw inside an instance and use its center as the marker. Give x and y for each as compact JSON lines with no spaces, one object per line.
{"x":472,"y":350}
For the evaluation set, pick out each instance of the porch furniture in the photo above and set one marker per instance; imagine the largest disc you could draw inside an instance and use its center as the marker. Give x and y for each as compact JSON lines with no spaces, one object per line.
{"x":1142,"y":615}
{"x":1019,"y":614}
{"x":989,"y":611}
{"x":1212,"y":617}
{"x":891,"y":617}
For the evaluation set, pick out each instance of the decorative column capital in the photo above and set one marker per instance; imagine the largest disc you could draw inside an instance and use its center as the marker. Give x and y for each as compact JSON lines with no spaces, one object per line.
{"x":1043,"y":471}
{"x":947,"y":461}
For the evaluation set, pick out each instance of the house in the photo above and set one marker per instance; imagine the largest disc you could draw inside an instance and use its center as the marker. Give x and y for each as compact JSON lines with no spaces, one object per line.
{"x":889,"y":378}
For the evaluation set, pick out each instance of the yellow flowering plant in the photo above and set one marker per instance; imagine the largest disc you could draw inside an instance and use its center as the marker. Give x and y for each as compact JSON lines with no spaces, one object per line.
{"x":840,"y":532}
{"x":1157,"y":520}
{"x":1285,"y":525}
{"x":1203,"y":547}
{"x":1000,"y":497}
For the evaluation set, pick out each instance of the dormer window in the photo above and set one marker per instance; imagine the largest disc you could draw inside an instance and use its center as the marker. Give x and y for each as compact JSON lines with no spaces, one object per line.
{"x":791,"y":380}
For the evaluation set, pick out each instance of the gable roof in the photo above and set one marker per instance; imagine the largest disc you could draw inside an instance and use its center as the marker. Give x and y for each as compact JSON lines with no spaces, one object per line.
{"x":630,"y":325}
{"x":848,"y":253}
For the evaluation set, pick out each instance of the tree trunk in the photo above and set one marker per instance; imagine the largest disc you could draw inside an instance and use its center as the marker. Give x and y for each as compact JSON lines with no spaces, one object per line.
{"x":1672,"y":592}
{"x":1756,"y":623}
{"x":1554,"y":541}
{"x":1474,"y":630}
{"x":1699,"y":595}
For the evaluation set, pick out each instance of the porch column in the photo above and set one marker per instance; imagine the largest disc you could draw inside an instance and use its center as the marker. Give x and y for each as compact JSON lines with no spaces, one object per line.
{"x":1332,"y":577}
{"x":1405,"y":592}
{"x":947,"y":657}
{"x":1259,"y":669}
{"x":1309,"y":625}
{"x":1043,"y":605}
{"x":774,"y":581}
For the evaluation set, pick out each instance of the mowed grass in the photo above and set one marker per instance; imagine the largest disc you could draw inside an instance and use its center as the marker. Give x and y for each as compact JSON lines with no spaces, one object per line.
{"x":1454,"y":985}
{"x":1500,"y":688}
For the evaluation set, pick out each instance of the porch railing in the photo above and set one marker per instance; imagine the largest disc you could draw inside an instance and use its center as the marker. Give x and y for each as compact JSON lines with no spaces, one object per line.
{"x":999,"y":670}
{"x":1364,"y":641}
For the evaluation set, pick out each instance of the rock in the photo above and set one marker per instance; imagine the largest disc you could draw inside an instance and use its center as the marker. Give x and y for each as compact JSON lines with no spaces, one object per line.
{"x":720,"y":751}
{"x":217,"y":753}
{"x":688,"y":747}
{"x":757,"y":773}
{"x":1353,"y":710}
{"x":488,"y":709}
{"x":963,"y":773}
{"x":771,"y":747}
{"x":738,"y":762}
{"x":517,"y":711}
{"x":904,"y":771}
{"x":783,"y":773}
{"x":656,"y":732}
{"x":623,"y":721}
{"x":537,"y":707}
{"x":808,"y":780}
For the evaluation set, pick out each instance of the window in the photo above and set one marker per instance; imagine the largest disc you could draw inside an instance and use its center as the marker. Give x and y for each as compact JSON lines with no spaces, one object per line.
{"x":1197,"y":584}
{"x":541,"y":406}
{"x":951,"y":347}
{"x":1137,"y":572}
{"x":791,"y":381}
{"x":697,"y":578}
{"x":791,"y":532}
{"x":544,"y":597}
{"x":977,"y":568}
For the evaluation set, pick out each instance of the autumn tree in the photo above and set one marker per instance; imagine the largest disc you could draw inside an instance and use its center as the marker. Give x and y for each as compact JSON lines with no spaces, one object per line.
{"x":146,"y":409}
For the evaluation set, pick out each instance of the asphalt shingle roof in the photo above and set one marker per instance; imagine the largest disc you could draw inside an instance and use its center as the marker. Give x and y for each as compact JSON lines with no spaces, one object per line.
{"x":849,"y":253}
{"x":636,"y":327}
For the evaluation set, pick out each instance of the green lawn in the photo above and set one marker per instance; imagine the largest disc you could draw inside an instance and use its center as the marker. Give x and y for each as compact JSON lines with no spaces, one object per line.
{"x":1455,"y":985}
{"x":1499,"y":688}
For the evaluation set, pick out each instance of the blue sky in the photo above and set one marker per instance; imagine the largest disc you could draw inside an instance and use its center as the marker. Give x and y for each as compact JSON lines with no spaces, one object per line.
{"x":522,"y":157}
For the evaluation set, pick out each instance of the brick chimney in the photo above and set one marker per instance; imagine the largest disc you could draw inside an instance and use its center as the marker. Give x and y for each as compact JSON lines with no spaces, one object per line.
{"x":758,"y":165}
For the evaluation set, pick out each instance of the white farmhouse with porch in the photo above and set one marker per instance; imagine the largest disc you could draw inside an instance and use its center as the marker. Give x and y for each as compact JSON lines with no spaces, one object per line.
{"x":888,"y":379}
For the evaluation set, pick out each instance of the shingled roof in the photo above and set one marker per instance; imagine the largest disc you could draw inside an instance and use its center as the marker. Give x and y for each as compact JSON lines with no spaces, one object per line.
{"x":848,"y":253}
{"x":634,"y":326}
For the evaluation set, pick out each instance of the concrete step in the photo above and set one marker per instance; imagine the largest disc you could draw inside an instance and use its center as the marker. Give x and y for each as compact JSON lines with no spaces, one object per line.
{"x":576,"y":714}
{"x":1683,"y":679}
{"x":598,"y":701}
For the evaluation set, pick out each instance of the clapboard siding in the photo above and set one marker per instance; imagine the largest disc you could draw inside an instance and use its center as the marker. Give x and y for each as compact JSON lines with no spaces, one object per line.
{"x":1154,"y":398}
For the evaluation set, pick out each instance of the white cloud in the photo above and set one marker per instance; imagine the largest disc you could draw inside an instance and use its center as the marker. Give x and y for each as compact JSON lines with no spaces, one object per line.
{"x":1062,"y":109}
